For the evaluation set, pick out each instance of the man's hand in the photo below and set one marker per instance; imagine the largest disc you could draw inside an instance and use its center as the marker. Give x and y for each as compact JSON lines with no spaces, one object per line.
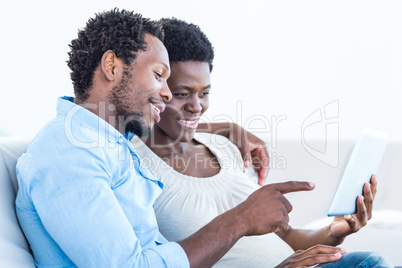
{"x":315,"y":255}
{"x":253,"y":150}
{"x":343,"y":226}
{"x":266,"y":210}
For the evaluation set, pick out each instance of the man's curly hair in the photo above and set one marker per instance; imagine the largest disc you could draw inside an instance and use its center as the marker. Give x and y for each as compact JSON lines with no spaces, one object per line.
{"x":121,"y":31}
{"x":186,"y":42}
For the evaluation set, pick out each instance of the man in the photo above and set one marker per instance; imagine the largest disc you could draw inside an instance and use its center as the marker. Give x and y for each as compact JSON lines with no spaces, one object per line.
{"x":85,"y":199}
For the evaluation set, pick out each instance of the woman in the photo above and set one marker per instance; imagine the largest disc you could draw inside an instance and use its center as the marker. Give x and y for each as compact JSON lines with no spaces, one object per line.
{"x":203,"y":174}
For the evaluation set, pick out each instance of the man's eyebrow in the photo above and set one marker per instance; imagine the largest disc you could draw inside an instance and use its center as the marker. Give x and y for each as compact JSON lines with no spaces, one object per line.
{"x":167,"y":67}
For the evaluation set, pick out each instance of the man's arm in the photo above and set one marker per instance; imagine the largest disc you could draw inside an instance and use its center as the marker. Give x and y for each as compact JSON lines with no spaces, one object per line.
{"x":252,"y":148}
{"x":342,"y":226}
{"x":80,"y":214}
{"x":265,"y":211}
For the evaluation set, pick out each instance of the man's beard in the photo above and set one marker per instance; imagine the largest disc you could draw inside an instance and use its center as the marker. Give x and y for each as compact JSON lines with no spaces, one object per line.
{"x":127,"y":120}
{"x":134,"y":123}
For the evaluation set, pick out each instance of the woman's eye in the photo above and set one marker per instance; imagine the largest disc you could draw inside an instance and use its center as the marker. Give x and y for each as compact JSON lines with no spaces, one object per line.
{"x":180,"y":95}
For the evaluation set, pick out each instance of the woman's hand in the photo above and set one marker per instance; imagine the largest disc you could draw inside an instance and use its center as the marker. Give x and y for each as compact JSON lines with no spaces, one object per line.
{"x":253,"y":150}
{"x":343,"y":226}
{"x":315,"y":255}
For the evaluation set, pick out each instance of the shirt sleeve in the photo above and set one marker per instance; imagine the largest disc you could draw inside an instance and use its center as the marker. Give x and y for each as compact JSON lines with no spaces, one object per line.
{"x":71,"y":191}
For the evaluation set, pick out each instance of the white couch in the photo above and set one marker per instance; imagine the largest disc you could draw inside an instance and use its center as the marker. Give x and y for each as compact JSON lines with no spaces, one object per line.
{"x":383,"y":234}
{"x":14,"y":249}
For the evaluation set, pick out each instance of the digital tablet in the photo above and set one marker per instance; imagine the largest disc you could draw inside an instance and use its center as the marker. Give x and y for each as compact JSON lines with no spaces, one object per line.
{"x":363,"y":163}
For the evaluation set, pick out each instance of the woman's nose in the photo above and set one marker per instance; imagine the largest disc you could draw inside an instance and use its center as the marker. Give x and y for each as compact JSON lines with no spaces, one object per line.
{"x":194,"y":105}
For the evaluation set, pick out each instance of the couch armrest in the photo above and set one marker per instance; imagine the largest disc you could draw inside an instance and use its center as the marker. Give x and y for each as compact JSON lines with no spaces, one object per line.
{"x":14,"y":249}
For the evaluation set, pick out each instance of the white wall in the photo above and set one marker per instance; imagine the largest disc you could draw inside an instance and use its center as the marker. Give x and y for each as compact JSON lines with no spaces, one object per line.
{"x":273,"y":58}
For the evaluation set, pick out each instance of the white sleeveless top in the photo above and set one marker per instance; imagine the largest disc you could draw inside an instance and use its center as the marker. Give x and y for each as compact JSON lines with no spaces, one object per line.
{"x":188,"y":203}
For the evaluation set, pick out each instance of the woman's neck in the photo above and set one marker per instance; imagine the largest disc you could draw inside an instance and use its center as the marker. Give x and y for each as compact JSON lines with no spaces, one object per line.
{"x":163,"y":145}
{"x":189,"y":158}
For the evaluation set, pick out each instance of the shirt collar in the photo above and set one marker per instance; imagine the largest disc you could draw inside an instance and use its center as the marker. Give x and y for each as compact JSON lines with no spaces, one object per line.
{"x":78,"y":114}
{"x":129,"y":135}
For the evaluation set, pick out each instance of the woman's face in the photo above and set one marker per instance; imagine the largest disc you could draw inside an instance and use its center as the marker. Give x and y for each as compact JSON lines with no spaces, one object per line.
{"x":189,"y":83}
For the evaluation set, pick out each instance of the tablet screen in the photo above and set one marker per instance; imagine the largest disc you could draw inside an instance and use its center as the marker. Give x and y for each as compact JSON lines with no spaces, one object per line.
{"x":363,"y":163}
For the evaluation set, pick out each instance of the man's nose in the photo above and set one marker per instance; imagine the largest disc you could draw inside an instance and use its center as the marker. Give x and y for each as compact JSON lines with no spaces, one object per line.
{"x":165,"y":92}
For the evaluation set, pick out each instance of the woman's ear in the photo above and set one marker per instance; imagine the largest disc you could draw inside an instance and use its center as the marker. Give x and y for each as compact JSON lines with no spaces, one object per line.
{"x":109,"y":64}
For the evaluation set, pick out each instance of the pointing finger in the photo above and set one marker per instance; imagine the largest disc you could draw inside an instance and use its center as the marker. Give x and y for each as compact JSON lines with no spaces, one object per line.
{"x":293,"y":186}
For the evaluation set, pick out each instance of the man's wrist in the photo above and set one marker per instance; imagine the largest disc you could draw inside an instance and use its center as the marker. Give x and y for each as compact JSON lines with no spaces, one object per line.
{"x":242,"y":226}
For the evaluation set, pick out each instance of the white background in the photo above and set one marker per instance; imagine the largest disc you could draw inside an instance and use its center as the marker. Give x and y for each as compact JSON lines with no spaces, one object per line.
{"x":273,"y":58}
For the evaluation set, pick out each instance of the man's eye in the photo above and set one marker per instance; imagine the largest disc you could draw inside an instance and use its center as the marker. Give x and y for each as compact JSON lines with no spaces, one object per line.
{"x":158,"y":76}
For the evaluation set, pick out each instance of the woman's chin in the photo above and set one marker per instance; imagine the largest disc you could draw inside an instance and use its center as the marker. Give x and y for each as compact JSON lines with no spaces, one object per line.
{"x":188,"y":136}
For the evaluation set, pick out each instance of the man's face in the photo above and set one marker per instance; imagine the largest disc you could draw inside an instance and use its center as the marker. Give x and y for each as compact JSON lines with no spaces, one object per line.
{"x":140,"y":97}
{"x":190,"y":85}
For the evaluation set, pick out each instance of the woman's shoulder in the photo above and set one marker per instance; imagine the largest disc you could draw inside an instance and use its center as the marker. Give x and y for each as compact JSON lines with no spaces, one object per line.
{"x":218,"y":142}
{"x":210,"y":137}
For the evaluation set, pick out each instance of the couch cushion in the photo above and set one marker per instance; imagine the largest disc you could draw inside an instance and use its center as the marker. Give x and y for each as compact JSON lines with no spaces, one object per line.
{"x":14,"y":249}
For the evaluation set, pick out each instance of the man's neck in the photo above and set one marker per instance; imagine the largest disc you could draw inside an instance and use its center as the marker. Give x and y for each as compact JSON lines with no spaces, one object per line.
{"x":101,"y":108}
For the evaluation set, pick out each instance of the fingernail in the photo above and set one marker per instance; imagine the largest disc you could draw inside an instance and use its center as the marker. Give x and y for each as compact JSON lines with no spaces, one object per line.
{"x":311,"y":184}
{"x":337,"y":255}
{"x":247,"y":163}
{"x":343,"y":250}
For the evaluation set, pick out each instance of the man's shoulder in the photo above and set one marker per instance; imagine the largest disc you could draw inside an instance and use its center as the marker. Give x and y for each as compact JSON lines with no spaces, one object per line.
{"x":57,"y":151}
{"x":57,"y":133}
{"x":46,"y":136}
{"x":55,"y":143}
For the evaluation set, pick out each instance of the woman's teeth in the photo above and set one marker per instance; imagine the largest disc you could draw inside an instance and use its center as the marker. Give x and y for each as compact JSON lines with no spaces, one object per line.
{"x":188,"y":122}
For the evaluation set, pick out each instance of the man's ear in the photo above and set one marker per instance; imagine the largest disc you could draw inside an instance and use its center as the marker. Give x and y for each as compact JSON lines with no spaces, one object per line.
{"x":109,"y":64}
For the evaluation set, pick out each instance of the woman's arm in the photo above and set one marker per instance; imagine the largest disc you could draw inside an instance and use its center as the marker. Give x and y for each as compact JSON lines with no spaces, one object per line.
{"x":300,"y":239}
{"x":342,"y":226}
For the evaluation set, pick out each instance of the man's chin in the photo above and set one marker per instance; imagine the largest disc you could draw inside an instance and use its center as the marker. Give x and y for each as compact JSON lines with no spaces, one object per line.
{"x":139,"y":130}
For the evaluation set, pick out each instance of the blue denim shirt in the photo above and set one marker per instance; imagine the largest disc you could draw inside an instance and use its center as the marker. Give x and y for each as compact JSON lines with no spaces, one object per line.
{"x":85,"y":199}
